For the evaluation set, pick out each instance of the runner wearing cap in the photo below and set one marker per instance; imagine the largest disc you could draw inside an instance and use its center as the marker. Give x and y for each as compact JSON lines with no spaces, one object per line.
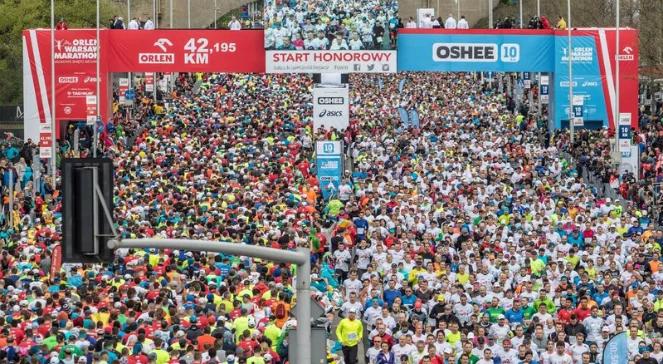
{"x":350,"y":332}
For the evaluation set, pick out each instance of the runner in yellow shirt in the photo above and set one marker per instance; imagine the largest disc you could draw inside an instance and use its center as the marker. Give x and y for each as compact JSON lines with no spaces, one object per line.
{"x":350,"y":332}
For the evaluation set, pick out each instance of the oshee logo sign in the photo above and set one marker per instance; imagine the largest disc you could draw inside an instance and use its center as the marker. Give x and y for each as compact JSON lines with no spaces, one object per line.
{"x":476,"y":52}
{"x":331,"y":107}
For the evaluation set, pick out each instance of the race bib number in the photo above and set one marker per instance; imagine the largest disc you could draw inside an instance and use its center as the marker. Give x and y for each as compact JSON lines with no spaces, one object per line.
{"x":352,"y":336}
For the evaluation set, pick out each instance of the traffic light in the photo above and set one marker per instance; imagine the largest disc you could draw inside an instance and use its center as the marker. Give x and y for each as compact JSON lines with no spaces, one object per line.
{"x":87,"y":192}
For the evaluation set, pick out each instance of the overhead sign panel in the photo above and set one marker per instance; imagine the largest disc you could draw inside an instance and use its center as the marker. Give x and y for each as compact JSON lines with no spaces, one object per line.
{"x":441,"y":50}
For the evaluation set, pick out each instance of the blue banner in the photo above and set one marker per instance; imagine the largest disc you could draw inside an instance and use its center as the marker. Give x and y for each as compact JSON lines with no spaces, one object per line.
{"x":616,"y":350}
{"x":587,"y":80}
{"x":446,"y":52}
{"x":401,"y":85}
{"x":405,"y":118}
{"x":329,"y":165}
{"x":414,"y":118}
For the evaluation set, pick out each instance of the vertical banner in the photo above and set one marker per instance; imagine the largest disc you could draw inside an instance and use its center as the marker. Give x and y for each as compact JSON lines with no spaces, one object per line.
{"x":545,"y":89}
{"x":578,"y":105}
{"x":149,"y":81}
{"x":75,"y":57}
{"x":45,"y":141}
{"x":56,"y":260}
{"x":122,"y":87}
{"x":329,"y":163}
{"x":616,"y":350}
{"x":624,"y":133}
{"x":405,"y":117}
{"x":331,"y":107}
{"x":91,"y":107}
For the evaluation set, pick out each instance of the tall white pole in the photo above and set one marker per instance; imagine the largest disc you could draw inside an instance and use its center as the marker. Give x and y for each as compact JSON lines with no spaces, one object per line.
{"x":188,"y":13}
{"x":568,"y":27}
{"x":521,"y":13}
{"x":214,"y":14}
{"x":458,"y":9}
{"x":53,"y":122}
{"x":490,"y":14}
{"x":538,"y":8}
{"x":127,"y":27}
{"x":94,"y":127}
{"x":170,"y":14}
{"x":616,"y":111}
{"x":154,"y":14}
{"x":538,"y":15}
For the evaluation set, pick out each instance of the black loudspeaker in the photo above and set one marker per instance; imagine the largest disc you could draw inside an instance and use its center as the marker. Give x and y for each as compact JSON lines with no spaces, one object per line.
{"x":86,"y":228}
{"x":333,"y":78}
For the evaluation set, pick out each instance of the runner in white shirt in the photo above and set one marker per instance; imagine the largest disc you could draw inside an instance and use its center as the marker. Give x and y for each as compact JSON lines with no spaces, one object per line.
{"x":234,"y":24}
{"x":352,"y":303}
{"x":450,"y":23}
{"x":579,"y":348}
{"x":402,"y":348}
{"x":355,"y":43}
{"x":149,"y":24}
{"x":133,"y":24}
{"x":352,"y":284}
{"x":462,"y":23}
{"x":411,"y":23}
{"x":560,"y":356}
{"x":487,"y":357}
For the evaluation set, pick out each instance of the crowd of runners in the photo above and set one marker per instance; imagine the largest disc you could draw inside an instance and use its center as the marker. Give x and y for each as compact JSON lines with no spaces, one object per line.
{"x":470,"y":239}
{"x":332,"y":24}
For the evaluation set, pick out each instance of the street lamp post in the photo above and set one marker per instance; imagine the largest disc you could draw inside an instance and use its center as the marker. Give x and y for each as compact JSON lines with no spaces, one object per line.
{"x":188,"y":13}
{"x":616,"y":111}
{"x":538,"y":16}
{"x":52,"y":121}
{"x":570,"y":61}
{"x":215,"y":9}
{"x":94,"y":126}
{"x":490,"y":14}
{"x":458,"y":9}
{"x":521,"y":13}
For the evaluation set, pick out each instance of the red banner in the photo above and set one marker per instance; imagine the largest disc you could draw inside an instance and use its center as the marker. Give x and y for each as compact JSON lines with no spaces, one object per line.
{"x":122,"y":87}
{"x":149,"y":81}
{"x":75,"y":76}
{"x":628,"y":72}
{"x":186,"y":51}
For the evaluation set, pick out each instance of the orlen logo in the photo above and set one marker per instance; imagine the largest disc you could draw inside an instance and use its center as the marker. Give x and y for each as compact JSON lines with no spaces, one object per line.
{"x":465,"y":52}
{"x":67,"y":110}
{"x":330,"y":113}
{"x":331,"y":100}
{"x":628,"y":56}
{"x":90,"y":79}
{"x":71,"y":79}
{"x":158,"y":58}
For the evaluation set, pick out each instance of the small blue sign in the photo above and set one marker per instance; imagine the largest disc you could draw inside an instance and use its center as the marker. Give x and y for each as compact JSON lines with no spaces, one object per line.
{"x":130,"y":94}
{"x":544,"y":90}
{"x":577,"y":111}
{"x":624,"y":132}
{"x":526,"y":75}
{"x":329,"y":165}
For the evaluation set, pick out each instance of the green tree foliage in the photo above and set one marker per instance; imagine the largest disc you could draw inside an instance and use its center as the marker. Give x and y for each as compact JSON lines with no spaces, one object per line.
{"x":644,"y":15}
{"x":17,"y":15}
